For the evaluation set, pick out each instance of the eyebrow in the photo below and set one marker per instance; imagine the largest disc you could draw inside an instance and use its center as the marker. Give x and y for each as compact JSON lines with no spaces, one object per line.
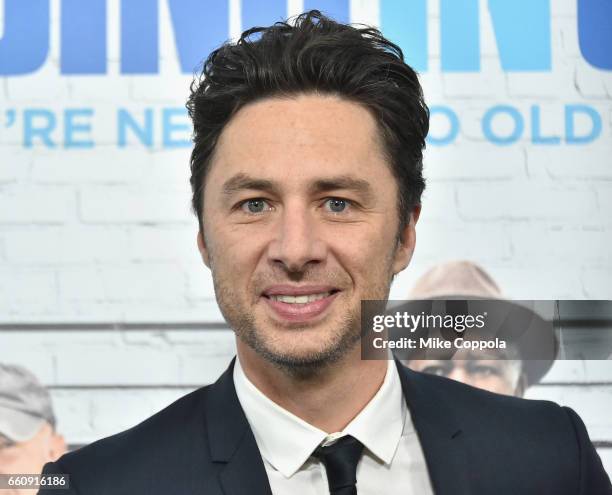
{"x":242,"y":181}
{"x":344,"y":182}
{"x":488,"y":355}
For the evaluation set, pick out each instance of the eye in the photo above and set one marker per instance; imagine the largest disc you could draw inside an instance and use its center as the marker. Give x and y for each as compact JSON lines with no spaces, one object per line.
{"x":436,"y":370}
{"x":336,"y":205}
{"x":483,"y":370}
{"x":255,"y":206}
{"x":5,"y":443}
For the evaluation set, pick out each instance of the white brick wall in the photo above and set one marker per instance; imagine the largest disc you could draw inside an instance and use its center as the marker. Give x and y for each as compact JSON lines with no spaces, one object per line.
{"x":523,"y":207}
{"x":90,"y":372}
{"x":106,"y":235}
{"x":34,"y":205}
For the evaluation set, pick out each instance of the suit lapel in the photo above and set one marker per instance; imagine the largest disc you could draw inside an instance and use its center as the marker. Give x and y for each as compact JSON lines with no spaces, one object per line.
{"x":241,"y":469}
{"x":231,"y":441}
{"x":442,"y":440}
{"x":245,"y":474}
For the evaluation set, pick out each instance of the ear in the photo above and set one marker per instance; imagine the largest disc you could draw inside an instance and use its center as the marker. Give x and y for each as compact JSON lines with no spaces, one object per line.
{"x":57,"y":447}
{"x":406,"y":243}
{"x":521,"y":386}
{"x":203,"y":249}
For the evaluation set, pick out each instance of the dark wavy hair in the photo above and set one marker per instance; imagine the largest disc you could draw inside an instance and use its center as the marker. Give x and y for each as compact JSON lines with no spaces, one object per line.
{"x":314,"y":54}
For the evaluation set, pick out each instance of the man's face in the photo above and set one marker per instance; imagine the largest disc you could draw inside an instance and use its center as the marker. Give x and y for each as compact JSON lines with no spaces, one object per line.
{"x":300,"y":224}
{"x":502,"y":376}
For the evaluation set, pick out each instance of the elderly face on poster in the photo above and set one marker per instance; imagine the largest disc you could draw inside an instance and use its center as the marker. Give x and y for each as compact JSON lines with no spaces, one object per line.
{"x":28,"y":435}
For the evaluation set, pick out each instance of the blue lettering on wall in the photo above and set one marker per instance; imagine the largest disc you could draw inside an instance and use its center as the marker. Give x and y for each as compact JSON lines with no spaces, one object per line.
{"x":172,"y":125}
{"x":583,"y":125}
{"x":595,"y":32}
{"x":453,"y":122}
{"x":83,"y":37}
{"x":25,"y":43}
{"x":570,"y":133}
{"x":77,"y":128}
{"x":139,"y":37}
{"x":144,"y":132}
{"x":459,"y":36}
{"x":38,"y":123}
{"x":522,"y":30}
{"x":336,"y":9}
{"x":405,"y":23}
{"x":536,"y":132}
{"x":262,"y":12}
{"x":199,"y":27}
{"x":521,"y":27}
{"x":487,"y":124}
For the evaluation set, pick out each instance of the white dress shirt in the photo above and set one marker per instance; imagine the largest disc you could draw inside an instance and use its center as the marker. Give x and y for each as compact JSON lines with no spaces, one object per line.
{"x":392,"y":460}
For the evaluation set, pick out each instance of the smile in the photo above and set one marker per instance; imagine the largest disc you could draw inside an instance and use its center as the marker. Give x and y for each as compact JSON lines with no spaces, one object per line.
{"x":299,"y":299}
{"x":299,"y":305}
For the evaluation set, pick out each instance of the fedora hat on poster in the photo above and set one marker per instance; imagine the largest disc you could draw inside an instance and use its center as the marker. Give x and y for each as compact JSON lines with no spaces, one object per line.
{"x":463,"y":283}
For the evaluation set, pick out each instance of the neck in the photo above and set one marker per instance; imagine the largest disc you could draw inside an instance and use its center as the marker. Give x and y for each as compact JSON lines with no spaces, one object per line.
{"x":328,"y":398}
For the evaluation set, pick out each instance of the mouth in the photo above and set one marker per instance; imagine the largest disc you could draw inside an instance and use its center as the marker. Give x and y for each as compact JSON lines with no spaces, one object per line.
{"x":299,"y":304}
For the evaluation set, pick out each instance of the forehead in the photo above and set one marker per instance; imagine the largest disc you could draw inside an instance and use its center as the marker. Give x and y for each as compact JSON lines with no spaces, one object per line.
{"x":509,"y":354}
{"x":300,"y":136}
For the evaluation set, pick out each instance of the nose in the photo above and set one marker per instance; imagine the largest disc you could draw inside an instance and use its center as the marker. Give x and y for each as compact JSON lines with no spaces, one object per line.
{"x":297,"y":242}
{"x":459,"y":374}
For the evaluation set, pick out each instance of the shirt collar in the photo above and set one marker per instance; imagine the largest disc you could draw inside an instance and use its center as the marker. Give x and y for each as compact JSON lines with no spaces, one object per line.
{"x":380,"y":423}
{"x":286,"y":441}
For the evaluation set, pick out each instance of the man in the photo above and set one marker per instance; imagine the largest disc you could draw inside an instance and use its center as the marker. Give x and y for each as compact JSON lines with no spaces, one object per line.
{"x":500,"y":371}
{"x":28,"y":439}
{"x":306,"y":174}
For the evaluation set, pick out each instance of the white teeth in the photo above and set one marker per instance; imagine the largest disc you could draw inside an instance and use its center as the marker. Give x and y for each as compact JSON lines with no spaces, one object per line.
{"x":299,"y":299}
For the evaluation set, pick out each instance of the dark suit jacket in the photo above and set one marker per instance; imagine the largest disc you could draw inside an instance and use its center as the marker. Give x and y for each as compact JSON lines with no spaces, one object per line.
{"x":474,"y":442}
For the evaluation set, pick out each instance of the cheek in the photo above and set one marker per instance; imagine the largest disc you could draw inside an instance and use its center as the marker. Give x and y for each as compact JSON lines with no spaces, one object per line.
{"x":7,"y":459}
{"x":235,"y":248}
{"x":235,"y":259}
{"x":496,"y":384}
{"x":369,"y":252}
{"x":19,"y":460}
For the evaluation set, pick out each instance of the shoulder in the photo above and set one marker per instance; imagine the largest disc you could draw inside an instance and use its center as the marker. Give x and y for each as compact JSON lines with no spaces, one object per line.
{"x":493,"y":416}
{"x":132,"y":457}
{"x":534,"y":445}
{"x":517,"y":443}
{"x":170,"y":426}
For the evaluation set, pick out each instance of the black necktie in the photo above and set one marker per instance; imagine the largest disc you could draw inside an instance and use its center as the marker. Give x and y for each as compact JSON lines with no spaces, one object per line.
{"x":340,"y":460}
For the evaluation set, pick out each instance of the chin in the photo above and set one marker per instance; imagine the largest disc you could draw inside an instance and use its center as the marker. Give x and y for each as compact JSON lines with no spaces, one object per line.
{"x":290,"y":350}
{"x":302,"y":364}
{"x":304,"y":355}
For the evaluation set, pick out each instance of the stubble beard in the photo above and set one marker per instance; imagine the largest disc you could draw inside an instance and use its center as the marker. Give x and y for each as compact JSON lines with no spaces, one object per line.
{"x":300,"y":365}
